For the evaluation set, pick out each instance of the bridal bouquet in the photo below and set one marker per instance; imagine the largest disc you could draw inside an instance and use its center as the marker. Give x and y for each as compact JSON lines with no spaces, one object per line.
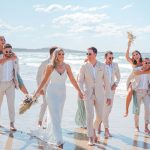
{"x":131,"y":37}
{"x":26,"y":104}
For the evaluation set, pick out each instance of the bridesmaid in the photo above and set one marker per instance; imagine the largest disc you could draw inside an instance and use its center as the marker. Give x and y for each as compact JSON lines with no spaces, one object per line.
{"x":80,"y":117}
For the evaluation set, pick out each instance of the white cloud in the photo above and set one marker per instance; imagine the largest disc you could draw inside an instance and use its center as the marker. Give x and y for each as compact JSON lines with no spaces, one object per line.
{"x":7,"y":28}
{"x":80,"y":28}
{"x":58,"y":7}
{"x":140,"y":30}
{"x":127,"y":6}
{"x":111,"y":29}
{"x":92,"y":9}
{"x":55,"y":7}
{"x":80,"y":18}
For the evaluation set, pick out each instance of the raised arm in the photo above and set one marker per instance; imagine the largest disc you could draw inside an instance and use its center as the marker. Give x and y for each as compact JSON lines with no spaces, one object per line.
{"x":4,"y":59}
{"x":141,"y":72}
{"x":73,"y":81}
{"x":127,"y":53}
{"x":48,"y":72}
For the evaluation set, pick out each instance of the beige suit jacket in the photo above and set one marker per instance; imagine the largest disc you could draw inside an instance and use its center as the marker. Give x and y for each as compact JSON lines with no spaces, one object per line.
{"x":41,"y":70}
{"x":99,"y":84}
{"x":15,"y":71}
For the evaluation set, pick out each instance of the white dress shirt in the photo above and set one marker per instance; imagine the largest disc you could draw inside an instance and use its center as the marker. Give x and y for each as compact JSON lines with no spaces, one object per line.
{"x":7,"y":73}
{"x":94,"y":71}
{"x":144,"y":82}
{"x":109,"y":71}
{"x":143,"y":79}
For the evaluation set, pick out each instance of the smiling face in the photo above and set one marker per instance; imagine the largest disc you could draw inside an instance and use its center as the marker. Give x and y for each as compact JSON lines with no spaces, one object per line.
{"x":91,"y":55}
{"x":60,"y":56}
{"x":2,"y":41}
{"x":136,"y":56}
{"x":7,"y":52}
{"x":109,"y":58}
{"x":145,"y":63}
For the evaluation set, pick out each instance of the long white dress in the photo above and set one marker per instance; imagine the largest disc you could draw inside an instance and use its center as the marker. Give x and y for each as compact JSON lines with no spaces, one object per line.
{"x":56,"y":95}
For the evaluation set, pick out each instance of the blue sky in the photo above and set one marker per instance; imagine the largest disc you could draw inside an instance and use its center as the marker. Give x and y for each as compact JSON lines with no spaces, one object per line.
{"x":75,"y":24}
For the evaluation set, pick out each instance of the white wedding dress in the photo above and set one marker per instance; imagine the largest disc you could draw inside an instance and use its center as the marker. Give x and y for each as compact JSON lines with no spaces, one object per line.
{"x":56,"y":95}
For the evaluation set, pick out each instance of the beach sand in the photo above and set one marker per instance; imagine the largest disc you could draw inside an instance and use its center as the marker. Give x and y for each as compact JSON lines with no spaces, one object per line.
{"x":75,"y":138}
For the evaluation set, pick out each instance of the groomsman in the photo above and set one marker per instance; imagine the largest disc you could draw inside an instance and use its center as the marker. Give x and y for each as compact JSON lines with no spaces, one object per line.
{"x":5,"y":59}
{"x":142,"y":93}
{"x":39,"y":77}
{"x":8,"y":82}
{"x":93,"y":76}
{"x":114,"y":79}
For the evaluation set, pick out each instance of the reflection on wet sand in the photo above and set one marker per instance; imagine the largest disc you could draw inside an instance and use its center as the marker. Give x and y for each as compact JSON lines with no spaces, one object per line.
{"x":74,"y":140}
{"x":9,"y":142}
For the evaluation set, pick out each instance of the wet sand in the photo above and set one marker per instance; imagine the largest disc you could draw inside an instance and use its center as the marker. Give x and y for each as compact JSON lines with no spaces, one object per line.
{"x":75,"y":138}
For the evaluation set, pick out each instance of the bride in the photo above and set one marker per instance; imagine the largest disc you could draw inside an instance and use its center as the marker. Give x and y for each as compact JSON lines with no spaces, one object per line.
{"x":55,"y":76}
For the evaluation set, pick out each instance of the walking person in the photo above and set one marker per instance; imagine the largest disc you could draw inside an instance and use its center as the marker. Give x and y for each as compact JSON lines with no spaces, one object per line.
{"x":93,"y":76}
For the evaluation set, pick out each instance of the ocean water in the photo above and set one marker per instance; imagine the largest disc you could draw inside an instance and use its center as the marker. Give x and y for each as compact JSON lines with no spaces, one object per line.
{"x":30,"y":60}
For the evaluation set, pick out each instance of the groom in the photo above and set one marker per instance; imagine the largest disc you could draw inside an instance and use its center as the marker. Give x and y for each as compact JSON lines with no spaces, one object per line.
{"x":93,"y":76}
{"x":8,"y":82}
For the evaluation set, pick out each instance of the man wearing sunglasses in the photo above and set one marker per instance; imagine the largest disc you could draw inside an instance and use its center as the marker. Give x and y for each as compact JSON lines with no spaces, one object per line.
{"x":8,"y":82}
{"x":13,"y":57}
{"x":93,"y":81}
{"x":114,"y":79}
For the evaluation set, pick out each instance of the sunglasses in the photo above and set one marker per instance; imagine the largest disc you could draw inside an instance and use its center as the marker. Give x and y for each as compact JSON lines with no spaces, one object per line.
{"x":111,"y":58}
{"x":8,"y":52}
{"x":61,"y":54}
{"x":89,"y":54}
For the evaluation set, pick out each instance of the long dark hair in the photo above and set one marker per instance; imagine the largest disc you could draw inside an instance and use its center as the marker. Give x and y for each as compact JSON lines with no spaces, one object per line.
{"x":133,"y":60}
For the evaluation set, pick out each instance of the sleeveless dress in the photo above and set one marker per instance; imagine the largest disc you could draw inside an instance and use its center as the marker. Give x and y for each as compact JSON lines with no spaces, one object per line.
{"x":56,"y":95}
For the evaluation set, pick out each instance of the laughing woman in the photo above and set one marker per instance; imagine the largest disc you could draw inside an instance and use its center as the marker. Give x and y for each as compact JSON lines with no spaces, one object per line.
{"x":136,"y":63}
{"x":56,"y":73}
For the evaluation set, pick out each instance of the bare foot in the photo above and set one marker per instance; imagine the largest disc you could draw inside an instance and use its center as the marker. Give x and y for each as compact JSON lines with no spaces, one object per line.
{"x":107,"y":134}
{"x":125,"y":114}
{"x":90,"y":143}
{"x":40,"y":123}
{"x":12,"y":128}
{"x":60,"y":146}
{"x":137,"y":129}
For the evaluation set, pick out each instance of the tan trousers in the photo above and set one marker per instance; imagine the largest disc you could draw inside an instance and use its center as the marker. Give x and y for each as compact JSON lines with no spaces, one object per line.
{"x":89,"y":107}
{"x":8,"y":89}
{"x":143,"y":96}
{"x":43,"y":108}
{"x":107,"y":110}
